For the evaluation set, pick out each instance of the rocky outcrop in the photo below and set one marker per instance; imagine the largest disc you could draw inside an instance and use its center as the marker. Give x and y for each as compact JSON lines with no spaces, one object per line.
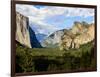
{"x":85,"y":37}
{"x":24,"y":34}
{"x":53,"y":40}
{"x":81,"y":33}
{"x":78,"y":28}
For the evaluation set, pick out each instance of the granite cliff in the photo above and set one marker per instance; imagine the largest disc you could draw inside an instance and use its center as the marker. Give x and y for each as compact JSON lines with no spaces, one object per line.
{"x":81,"y":33}
{"x":24,"y":34}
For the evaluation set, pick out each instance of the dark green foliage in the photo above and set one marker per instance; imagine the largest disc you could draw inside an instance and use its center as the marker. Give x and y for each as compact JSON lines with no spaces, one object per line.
{"x":23,"y":60}
{"x":85,"y":24}
{"x":52,"y":59}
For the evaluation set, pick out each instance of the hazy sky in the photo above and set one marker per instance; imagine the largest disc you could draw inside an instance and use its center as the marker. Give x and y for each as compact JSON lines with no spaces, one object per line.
{"x":48,"y":19}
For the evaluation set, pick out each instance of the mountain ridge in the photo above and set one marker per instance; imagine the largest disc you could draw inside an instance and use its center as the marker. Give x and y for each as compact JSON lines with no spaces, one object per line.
{"x":79,"y":34}
{"x":24,"y":34}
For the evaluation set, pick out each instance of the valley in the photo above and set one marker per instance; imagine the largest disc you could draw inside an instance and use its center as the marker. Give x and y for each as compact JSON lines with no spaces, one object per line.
{"x":63,"y":50}
{"x":51,"y":59}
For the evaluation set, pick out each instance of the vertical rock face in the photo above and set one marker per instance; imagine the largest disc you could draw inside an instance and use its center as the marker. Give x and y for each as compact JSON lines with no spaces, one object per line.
{"x":91,"y":31}
{"x":86,"y":36}
{"x":34,"y":42}
{"x":65,"y":42}
{"x":22,"y":33}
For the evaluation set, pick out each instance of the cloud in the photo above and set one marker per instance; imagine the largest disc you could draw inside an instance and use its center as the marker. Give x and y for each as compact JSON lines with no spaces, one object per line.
{"x":42,"y":27}
{"x":39,"y":15}
{"x":27,"y":10}
{"x":31,"y":10}
{"x":83,"y":12}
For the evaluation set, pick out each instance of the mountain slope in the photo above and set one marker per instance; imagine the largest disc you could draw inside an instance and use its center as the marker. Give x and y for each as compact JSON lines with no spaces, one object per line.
{"x":34,"y":42}
{"x":53,"y":39}
{"x":24,"y":34}
{"x":80,"y":33}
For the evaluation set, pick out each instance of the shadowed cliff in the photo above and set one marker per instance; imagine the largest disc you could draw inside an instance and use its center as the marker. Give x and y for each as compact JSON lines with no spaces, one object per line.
{"x":34,"y":42}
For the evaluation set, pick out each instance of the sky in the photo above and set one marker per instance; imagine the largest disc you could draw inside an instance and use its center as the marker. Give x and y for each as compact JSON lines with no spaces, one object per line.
{"x":48,"y":19}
